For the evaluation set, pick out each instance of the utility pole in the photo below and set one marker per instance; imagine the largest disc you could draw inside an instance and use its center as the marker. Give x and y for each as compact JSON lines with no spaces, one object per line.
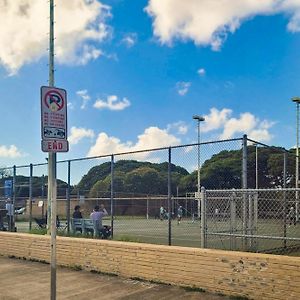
{"x":52,"y":168}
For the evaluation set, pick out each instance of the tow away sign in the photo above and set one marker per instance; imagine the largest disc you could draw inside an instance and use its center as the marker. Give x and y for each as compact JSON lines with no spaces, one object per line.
{"x":54,"y":119}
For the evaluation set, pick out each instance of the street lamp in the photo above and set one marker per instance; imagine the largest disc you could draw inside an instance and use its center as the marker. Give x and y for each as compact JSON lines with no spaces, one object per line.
{"x":297,"y":101}
{"x":198,"y":119}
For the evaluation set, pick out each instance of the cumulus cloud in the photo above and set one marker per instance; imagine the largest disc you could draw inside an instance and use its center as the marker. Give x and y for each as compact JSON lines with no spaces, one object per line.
{"x":201,"y":72}
{"x":25,"y":24}
{"x":216,"y":119}
{"x":152,"y":137}
{"x":180,"y":127}
{"x":208,"y":22}
{"x":183,"y":87}
{"x":129,"y":40}
{"x":230,"y":126}
{"x":77,"y":134}
{"x":83,"y":94}
{"x":10,"y":151}
{"x":112,"y":103}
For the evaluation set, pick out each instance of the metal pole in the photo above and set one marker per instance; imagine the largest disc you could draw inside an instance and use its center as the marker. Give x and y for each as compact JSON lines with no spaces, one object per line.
{"x":284,"y":199}
{"x":112,"y":196}
{"x":43,"y":195}
{"x":255,"y":221}
{"x":52,"y":167}
{"x":198,"y":177}
{"x":233,"y":220}
{"x":203,"y":219}
{"x":244,"y":186}
{"x":256,"y":166}
{"x":169,"y":199}
{"x":68,"y":197}
{"x":250,"y":223}
{"x":244,"y":163}
{"x":30,"y":195}
{"x":297,"y":166}
{"x":147,"y":213}
{"x":12,"y":212}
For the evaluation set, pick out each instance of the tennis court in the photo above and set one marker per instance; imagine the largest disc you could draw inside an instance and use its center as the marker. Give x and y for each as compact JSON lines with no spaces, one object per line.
{"x":187,"y":233}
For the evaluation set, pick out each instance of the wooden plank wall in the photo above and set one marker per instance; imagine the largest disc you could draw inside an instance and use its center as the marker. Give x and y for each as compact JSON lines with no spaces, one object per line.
{"x":257,"y":276}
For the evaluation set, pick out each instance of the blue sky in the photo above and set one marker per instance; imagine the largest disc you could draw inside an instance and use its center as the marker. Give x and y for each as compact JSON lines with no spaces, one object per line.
{"x":135,"y":76}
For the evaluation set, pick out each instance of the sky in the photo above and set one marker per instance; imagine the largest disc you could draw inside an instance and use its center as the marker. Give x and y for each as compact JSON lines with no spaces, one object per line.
{"x":136,"y":71}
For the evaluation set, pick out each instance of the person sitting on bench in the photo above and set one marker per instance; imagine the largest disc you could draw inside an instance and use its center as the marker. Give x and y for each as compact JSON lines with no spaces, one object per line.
{"x":97,"y":215}
{"x":77,"y":213}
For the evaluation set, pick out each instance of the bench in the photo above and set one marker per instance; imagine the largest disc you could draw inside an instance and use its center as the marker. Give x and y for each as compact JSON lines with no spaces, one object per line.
{"x":87,"y":226}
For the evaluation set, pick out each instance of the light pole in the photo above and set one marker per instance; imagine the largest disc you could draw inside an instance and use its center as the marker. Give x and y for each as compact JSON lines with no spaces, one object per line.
{"x":198,"y":119}
{"x":297,"y":101}
{"x":256,"y":166}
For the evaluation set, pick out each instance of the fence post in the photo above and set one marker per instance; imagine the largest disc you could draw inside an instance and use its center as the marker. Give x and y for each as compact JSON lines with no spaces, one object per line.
{"x":250,"y":219}
{"x":203,"y":234}
{"x":284,"y":199}
{"x":255,"y":219}
{"x":68,"y":197}
{"x":233,"y":220}
{"x":112,"y":195}
{"x":30,"y":195}
{"x":12,"y":212}
{"x":147,"y":213}
{"x":169,"y":198}
{"x":43,"y":195}
{"x":244,"y":186}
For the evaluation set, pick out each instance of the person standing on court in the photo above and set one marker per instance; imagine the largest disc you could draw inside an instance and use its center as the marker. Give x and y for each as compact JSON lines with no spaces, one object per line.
{"x":97,"y":216}
{"x":179,"y":214}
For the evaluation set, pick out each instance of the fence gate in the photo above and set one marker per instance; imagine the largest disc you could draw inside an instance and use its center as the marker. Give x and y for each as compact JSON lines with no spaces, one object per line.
{"x":262,"y":220}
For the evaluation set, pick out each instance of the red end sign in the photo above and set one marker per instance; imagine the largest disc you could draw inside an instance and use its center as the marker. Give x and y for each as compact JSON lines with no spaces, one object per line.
{"x":55,"y":146}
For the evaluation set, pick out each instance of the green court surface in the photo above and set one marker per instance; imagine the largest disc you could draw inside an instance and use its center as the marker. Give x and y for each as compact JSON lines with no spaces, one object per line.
{"x":187,"y":233}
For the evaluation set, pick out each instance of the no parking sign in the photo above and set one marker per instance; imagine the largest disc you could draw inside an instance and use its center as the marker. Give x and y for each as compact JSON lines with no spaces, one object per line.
{"x":54,"y":119}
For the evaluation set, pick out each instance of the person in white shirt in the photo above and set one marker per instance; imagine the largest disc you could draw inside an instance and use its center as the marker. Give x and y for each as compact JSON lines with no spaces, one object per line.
{"x":96,"y":216}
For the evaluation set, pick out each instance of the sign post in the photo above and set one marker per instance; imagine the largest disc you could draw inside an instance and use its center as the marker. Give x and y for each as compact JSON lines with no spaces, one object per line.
{"x":54,"y":139}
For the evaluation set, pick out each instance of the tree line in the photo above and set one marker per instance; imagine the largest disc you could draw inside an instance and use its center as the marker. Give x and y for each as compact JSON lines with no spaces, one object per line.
{"x":222,"y":171}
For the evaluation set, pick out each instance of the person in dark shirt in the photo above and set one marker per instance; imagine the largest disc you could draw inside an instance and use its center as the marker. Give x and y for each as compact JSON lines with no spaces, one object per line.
{"x":77,"y":213}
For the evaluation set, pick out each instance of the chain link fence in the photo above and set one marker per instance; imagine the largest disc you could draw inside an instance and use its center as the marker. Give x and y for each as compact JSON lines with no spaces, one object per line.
{"x":258,"y":220}
{"x":154,"y":195}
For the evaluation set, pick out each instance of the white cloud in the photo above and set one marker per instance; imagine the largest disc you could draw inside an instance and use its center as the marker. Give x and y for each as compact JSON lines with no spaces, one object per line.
{"x":152,"y":137}
{"x":112,"y":103}
{"x":10,"y":152}
{"x":246,"y":123}
{"x":208,"y":22}
{"x":25,"y":24}
{"x":85,"y":98}
{"x":129,"y":40}
{"x":201,"y":72}
{"x":216,"y":119}
{"x":180,"y":127}
{"x":183,"y":87}
{"x":78,"y":134}
{"x":88,"y":53}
